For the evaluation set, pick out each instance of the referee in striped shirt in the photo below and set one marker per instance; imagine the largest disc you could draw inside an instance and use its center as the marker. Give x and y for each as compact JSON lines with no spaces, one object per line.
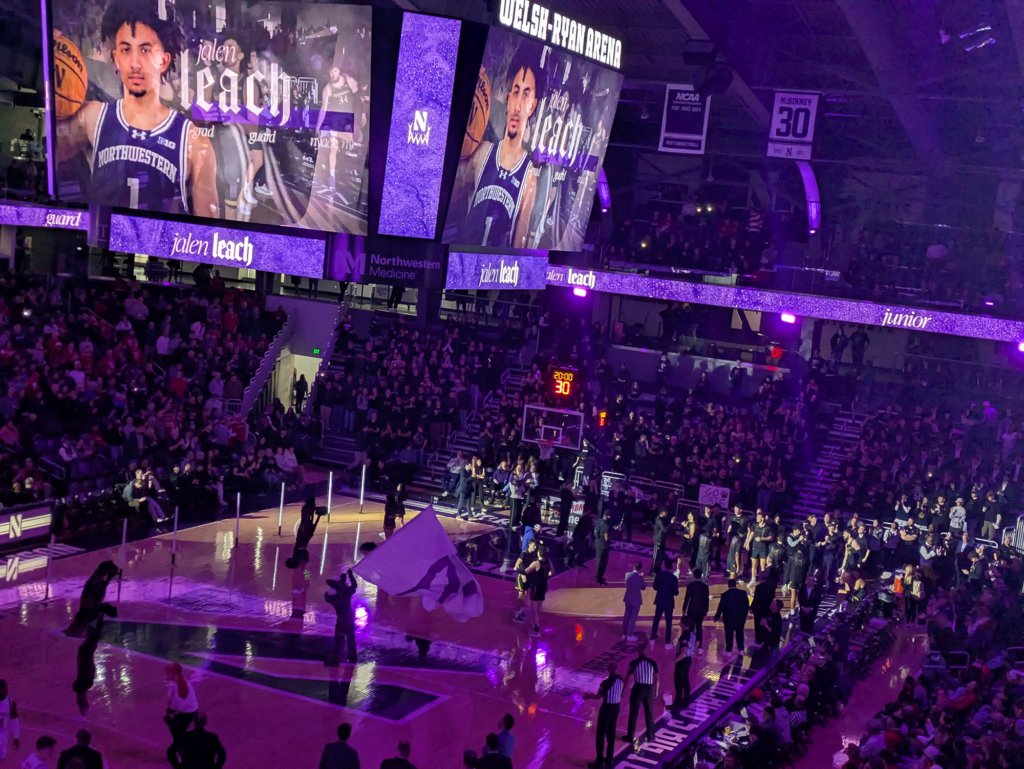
{"x":610,"y":694}
{"x":644,"y":674}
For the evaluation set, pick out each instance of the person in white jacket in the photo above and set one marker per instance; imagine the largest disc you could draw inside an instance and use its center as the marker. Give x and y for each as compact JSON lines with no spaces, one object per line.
{"x":10,"y":727}
{"x":182,"y":704}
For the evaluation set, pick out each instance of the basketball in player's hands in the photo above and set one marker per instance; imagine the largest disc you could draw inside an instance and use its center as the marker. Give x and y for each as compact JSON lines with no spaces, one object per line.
{"x":479,"y":115}
{"x":70,"y":78}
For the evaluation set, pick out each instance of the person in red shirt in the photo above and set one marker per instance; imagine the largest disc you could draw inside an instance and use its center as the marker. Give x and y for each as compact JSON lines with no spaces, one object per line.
{"x":178,"y":386}
{"x":229,"y":322}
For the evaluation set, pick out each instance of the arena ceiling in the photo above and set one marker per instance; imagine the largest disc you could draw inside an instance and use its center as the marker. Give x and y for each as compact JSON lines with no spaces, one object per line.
{"x":928,"y":87}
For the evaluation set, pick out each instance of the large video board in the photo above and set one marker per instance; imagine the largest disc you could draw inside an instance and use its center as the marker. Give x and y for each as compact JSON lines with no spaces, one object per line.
{"x":534,"y":143}
{"x":244,"y":112}
{"x":419,"y":126}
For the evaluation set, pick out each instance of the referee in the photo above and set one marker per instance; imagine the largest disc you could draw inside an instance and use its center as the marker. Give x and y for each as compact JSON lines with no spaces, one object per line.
{"x":644,"y":674}
{"x":610,"y":694}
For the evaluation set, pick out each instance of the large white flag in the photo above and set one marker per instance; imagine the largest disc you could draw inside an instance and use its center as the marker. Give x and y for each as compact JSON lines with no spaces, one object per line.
{"x":420,"y":559}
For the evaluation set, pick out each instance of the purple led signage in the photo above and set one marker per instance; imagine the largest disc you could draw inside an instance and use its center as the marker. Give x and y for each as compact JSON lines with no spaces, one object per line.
{"x":219,"y":246}
{"x":47,"y":56}
{"x":496,"y":271}
{"x":38,"y":216}
{"x":419,"y":126}
{"x":845,"y":310}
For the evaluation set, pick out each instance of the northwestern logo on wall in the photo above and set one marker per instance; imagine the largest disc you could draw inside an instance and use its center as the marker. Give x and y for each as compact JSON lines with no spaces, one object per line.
{"x":53,"y":218}
{"x":218,"y":246}
{"x":492,"y":271}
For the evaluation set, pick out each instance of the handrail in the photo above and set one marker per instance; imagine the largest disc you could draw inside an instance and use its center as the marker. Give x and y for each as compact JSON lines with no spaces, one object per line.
{"x":267,"y":365}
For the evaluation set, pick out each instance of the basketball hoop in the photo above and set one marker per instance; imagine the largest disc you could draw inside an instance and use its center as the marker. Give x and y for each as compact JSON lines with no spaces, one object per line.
{"x":547,"y":448}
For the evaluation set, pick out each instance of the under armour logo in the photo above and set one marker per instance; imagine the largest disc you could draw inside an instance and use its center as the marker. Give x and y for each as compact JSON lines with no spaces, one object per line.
{"x":139,"y":135}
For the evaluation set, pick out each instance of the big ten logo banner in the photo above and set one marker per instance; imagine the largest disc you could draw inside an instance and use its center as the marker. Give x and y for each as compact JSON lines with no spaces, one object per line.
{"x":358,"y":259}
{"x":713,"y":495}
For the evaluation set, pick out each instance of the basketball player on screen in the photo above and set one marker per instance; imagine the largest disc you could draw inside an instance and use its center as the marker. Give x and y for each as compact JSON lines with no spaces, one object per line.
{"x":143,"y":154}
{"x":505,"y":180}
{"x":338,"y":96}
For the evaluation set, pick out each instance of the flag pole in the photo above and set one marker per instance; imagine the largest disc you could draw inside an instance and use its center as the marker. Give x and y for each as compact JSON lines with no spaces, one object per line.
{"x":280,"y":511}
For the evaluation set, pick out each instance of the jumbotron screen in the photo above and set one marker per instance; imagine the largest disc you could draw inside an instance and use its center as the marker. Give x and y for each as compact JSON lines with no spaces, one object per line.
{"x":236,"y":111}
{"x":534,"y":143}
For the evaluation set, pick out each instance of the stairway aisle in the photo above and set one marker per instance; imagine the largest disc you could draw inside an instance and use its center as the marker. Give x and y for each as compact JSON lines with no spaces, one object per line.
{"x":338,"y":449}
{"x":812,"y":486}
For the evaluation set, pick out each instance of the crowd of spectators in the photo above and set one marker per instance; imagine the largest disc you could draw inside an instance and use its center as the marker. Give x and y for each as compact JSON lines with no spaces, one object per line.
{"x":707,"y":237}
{"x":116,"y":385}
{"x":959,"y":714}
{"x":401,"y":392}
{"x":935,"y":469}
{"x":961,"y":267}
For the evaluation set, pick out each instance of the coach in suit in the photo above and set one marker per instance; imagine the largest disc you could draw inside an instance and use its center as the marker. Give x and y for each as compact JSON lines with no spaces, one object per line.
{"x":696,"y":605}
{"x":634,"y":599}
{"x":733,"y":608}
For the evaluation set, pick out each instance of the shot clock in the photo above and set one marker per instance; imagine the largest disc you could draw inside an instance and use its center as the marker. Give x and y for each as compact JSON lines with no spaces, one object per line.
{"x":563,"y":382}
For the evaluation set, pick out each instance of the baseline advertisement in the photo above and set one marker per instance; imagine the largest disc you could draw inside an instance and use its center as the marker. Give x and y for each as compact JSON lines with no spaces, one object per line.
{"x":535,"y":140}
{"x":252,"y":112}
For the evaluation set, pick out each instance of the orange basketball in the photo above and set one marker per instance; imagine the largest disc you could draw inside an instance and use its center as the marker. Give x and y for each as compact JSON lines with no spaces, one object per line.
{"x":479,"y":114}
{"x":69,"y":77}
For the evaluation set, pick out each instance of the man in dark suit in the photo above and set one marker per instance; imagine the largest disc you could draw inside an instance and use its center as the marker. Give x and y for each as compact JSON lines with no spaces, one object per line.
{"x":666,"y":588}
{"x":91,"y":759}
{"x":493,"y":759}
{"x":695,"y":606}
{"x":340,"y":755}
{"x":809,"y":597}
{"x":761,"y":606}
{"x":401,"y":761}
{"x":200,"y":749}
{"x":733,"y":608}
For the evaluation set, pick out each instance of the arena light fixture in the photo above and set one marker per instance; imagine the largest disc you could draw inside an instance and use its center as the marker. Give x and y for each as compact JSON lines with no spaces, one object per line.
{"x":579,"y":291}
{"x":788,"y":317}
{"x":1021,"y":346}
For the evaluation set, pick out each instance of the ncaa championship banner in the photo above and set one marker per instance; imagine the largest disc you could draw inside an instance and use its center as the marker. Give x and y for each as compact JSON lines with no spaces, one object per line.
{"x":534,"y":144}
{"x":251,"y":112}
{"x":684,"y":122}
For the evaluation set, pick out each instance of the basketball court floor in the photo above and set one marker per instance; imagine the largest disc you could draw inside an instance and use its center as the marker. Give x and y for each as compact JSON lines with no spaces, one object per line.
{"x":223,"y":610}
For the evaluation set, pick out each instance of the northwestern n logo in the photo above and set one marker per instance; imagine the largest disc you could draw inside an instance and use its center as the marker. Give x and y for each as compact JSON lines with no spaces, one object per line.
{"x":419,"y":131}
{"x":16,"y":526}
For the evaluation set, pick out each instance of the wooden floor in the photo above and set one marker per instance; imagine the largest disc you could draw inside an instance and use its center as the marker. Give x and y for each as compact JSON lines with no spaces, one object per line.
{"x":224,"y":612}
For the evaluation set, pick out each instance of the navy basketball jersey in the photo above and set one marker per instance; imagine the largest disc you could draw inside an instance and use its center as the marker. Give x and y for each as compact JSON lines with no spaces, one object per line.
{"x":495,"y":205}
{"x":132,"y":168}
{"x":339,"y":99}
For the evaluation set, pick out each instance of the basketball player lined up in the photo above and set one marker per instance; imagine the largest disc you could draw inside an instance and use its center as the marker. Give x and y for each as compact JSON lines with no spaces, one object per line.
{"x":142,"y":154}
{"x":338,"y":97}
{"x":505,"y":179}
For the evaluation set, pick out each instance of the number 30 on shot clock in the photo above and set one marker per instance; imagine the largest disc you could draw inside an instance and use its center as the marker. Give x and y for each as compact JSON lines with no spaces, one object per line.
{"x":562,"y":382}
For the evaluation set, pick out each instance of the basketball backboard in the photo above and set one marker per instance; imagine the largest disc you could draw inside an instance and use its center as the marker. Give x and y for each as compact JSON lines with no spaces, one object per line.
{"x":562,"y":427}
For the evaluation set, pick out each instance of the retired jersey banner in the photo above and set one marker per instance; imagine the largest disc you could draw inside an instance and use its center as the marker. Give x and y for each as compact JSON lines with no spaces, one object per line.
{"x":250,"y":112}
{"x":684,"y":123}
{"x":420,"y":560}
{"x":791,"y":134}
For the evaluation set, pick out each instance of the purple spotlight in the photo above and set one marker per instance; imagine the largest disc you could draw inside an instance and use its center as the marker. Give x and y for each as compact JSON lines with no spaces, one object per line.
{"x":1021,"y":346}
{"x":788,"y":318}
{"x":579,"y":291}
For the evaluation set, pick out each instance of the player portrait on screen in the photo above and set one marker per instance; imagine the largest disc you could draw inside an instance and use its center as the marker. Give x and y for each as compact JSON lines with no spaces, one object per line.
{"x":503,"y":176}
{"x":535,"y":139}
{"x":142,"y":153}
{"x":250,"y":112}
